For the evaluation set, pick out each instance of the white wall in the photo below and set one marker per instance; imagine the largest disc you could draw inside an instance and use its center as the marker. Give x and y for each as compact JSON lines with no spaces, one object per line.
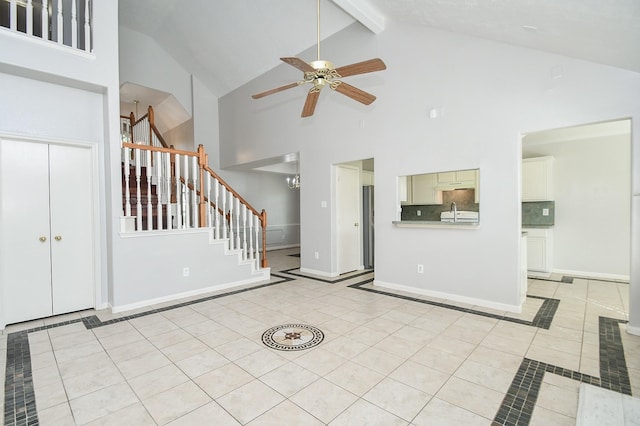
{"x":144,"y":63}
{"x":59,"y":93}
{"x":488,"y":94}
{"x":592,"y":186}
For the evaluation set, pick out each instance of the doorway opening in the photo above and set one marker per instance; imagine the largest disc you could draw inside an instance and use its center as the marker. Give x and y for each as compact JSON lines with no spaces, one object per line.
{"x":354,"y":215}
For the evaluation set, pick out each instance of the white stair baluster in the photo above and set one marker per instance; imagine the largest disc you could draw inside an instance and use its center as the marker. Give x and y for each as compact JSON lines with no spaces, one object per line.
{"x":45,"y":20}
{"x":257,"y":230}
{"x":74,"y":23}
{"x":167,"y":193}
{"x":159,"y":188}
{"x":216,"y":214}
{"x":29,"y":7}
{"x":179,"y":223}
{"x":138,"y":195}
{"x":244,"y":232}
{"x":149,"y":205}
{"x":237,"y":223}
{"x":224,"y":212}
{"x":231,"y":221}
{"x":194,"y":193}
{"x":13,"y":15}
{"x":250,"y":253}
{"x":127,"y":190}
{"x":87,"y":26}
{"x":187,"y":194}
{"x":60,"y":22}
{"x":208,"y":199}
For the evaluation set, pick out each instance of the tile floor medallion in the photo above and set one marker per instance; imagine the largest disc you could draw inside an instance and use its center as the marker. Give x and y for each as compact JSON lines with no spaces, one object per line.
{"x":377,"y":356}
{"x":292,"y":337}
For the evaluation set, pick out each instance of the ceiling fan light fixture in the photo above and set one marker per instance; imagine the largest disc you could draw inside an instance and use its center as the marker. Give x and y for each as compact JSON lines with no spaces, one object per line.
{"x":320,"y":73}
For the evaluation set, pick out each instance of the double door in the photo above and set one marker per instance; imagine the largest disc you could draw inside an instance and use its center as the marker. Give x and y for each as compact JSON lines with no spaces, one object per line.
{"x":46,"y":222}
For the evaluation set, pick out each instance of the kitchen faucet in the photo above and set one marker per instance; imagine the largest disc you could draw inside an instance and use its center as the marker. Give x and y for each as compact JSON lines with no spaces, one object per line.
{"x":454,"y":209}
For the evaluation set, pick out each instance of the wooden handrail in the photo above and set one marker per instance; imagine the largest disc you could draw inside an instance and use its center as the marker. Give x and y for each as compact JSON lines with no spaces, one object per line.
{"x":203,"y":167}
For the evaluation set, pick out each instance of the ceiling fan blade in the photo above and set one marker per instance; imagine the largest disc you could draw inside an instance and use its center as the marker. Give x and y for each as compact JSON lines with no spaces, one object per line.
{"x":354,"y":93}
{"x":310,"y":103}
{"x":272,"y":91}
{"x":299,"y":63}
{"x":362,"y":67}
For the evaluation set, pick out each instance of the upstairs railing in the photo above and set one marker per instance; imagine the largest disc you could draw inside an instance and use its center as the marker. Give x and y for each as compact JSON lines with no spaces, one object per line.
{"x":142,"y":131}
{"x":65,"y":22}
{"x":166,"y":189}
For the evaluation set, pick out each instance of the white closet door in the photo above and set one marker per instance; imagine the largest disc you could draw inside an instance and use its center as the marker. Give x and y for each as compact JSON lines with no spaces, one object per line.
{"x":72,"y":260}
{"x":25,"y":264}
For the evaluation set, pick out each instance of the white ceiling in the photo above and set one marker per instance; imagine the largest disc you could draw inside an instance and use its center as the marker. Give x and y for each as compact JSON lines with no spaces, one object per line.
{"x":227,"y":43}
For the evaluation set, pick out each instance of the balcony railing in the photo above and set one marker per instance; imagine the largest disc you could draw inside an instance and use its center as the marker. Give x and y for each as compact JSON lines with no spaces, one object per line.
{"x":65,"y":22}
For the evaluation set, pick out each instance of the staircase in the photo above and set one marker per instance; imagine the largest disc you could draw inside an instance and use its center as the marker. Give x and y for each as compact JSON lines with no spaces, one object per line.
{"x":167,"y":192}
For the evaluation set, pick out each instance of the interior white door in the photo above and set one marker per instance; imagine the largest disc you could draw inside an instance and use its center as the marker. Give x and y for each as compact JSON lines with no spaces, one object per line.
{"x":47,"y":229}
{"x":25,"y":243}
{"x":72,"y":260}
{"x":348,"y":218}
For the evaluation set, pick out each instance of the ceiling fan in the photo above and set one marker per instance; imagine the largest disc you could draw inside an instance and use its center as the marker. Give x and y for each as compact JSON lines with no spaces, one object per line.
{"x":320,"y":73}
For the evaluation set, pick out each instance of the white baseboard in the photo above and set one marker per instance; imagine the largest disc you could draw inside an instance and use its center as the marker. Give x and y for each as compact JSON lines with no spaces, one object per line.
{"x":164,"y":299}
{"x":319,"y":273}
{"x":592,"y":275}
{"x":633,"y":330}
{"x":453,"y":297}
{"x":281,"y":246}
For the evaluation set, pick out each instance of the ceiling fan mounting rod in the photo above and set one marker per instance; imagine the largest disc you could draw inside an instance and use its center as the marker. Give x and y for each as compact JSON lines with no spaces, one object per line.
{"x":318,"y":29}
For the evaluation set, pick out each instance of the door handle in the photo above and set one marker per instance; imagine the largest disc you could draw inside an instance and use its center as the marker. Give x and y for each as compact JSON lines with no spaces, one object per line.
{"x":43,"y":239}
{"x":356,"y":224}
{"x":58,"y":237}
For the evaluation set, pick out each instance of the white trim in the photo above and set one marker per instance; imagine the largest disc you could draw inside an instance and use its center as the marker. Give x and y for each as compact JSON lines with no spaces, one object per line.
{"x":319,"y":273}
{"x":592,"y":275}
{"x":448,"y":296}
{"x":48,"y":43}
{"x":164,"y":299}
{"x":283,"y":246}
{"x":633,"y":330}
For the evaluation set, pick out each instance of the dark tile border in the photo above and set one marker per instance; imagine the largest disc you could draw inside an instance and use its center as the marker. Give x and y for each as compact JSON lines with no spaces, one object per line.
{"x":542,"y":319}
{"x":343,"y":277}
{"x":517,"y":406}
{"x":19,"y":396}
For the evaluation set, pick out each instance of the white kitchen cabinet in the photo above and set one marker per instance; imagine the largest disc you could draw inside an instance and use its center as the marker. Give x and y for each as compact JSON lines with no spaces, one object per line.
{"x":459,"y":179}
{"x":539,"y":249}
{"x":367,"y":178}
{"x":423,"y":190}
{"x":537,"y":179}
{"x":46,"y":223}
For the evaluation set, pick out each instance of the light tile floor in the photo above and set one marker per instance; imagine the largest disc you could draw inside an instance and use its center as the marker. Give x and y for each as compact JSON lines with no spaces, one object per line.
{"x":386,"y":359}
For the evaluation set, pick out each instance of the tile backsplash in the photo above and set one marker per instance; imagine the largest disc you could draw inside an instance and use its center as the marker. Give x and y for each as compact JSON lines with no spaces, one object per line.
{"x":532,"y":213}
{"x":464,"y":199}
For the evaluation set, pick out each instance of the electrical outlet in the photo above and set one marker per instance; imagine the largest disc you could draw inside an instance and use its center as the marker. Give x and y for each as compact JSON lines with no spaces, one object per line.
{"x":545,"y":212}
{"x":185,"y":272}
{"x":420,"y":268}
{"x":316,"y":255}
{"x":419,"y":212}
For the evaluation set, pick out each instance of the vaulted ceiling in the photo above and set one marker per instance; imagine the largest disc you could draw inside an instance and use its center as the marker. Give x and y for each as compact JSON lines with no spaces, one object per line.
{"x":227,"y":43}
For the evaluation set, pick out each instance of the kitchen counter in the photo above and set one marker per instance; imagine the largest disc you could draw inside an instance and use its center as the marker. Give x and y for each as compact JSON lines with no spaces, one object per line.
{"x":435,"y":224}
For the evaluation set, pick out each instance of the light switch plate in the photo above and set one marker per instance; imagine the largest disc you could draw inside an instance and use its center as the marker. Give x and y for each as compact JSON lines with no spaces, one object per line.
{"x":545,"y":212}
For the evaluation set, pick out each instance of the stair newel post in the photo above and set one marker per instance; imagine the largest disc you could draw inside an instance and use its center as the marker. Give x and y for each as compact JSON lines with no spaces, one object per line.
{"x":263,"y":221}
{"x":149,"y":205}
{"x":126,"y":168}
{"x":138,"y":200}
{"x":202,"y":162}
